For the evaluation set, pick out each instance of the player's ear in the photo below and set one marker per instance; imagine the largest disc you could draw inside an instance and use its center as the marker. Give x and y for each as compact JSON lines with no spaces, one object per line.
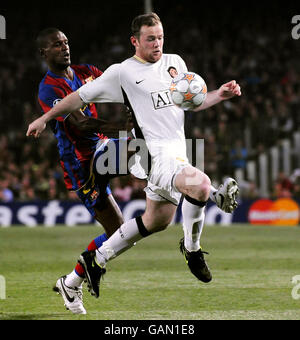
{"x":42,"y":52}
{"x":134,"y":40}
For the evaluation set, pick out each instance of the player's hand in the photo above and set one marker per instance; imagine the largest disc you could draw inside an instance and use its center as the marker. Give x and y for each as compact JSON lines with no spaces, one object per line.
{"x":129,"y":121}
{"x":36,"y":127}
{"x":229,"y":90}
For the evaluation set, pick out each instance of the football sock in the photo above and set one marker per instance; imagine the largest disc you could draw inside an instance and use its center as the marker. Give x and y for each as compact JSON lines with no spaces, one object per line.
{"x":76,"y":277}
{"x":212,"y":192}
{"x":193,"y":214}
{"x":73,"y":280}
{"x":123,"y":239}
{"x":97,"y":242}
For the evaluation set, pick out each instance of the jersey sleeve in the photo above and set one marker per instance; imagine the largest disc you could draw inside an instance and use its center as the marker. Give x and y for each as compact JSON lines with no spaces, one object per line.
{"x":50,"y":96}
{"x":104,"y":89}
{"x":182,"y":64}
{"x":96,"y":72}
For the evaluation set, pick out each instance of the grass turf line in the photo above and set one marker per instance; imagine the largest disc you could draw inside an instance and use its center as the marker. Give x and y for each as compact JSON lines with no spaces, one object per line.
{"x":252,"y":269}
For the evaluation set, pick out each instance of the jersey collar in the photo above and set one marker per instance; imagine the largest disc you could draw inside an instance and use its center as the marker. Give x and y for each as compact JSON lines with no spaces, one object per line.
{"x":140,"y":59}
{"x":54,"y":75}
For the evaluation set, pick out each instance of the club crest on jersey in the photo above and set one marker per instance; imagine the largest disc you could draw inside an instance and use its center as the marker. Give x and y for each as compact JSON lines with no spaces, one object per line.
{"x":161,"y":99}
{"x":94,"y":195}
{"x":87,"y":80}
{"x":172,"y":71}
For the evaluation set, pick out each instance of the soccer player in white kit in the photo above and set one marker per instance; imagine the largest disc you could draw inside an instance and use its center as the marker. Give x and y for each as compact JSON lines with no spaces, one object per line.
{"x":142,"y":82}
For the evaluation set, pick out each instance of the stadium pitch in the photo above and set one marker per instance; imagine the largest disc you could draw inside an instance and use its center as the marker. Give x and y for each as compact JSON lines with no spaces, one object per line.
{"x":252,"y":267}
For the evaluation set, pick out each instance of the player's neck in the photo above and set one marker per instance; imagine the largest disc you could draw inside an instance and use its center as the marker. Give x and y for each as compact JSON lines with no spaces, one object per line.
{"x":143,"y":60}
{"x":65,"y":73}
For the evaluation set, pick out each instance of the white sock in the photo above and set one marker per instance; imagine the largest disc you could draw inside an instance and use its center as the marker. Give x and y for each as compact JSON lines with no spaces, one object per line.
{"x":211,"y":193}
{"x":122,"y":239}
{"x":73,"y":280}
{"x":193,"y":222}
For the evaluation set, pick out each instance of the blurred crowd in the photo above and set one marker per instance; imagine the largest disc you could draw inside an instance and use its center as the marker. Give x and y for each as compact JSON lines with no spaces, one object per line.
{"x":258,"y":51}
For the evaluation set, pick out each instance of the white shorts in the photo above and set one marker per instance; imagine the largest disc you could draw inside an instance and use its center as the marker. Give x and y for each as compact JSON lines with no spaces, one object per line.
{"x":161,"y":178}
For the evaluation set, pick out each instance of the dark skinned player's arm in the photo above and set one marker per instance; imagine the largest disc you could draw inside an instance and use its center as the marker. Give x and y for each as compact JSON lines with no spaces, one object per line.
{"x":90,"y":124}
{"x":111,"y":130}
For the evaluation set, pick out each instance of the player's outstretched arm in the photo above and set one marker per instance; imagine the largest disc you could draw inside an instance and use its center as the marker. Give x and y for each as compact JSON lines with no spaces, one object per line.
{"x":70,"y":103}
{"x":90,"y":124}
{"x":226,"y":91}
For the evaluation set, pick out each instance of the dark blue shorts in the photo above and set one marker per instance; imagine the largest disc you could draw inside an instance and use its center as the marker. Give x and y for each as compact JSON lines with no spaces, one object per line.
{"x":105,"y":166}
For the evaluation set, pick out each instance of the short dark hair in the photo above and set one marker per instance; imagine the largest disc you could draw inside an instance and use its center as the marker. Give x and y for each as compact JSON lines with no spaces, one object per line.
{"x":150,"y":19}
{"x":41,"y":40}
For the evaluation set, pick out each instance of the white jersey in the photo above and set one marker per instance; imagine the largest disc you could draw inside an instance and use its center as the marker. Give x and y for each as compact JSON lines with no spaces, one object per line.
{"x":144,"y":87}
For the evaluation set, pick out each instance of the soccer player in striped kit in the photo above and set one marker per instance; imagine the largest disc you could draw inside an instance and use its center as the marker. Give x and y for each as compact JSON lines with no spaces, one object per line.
{"x":78,"y":135}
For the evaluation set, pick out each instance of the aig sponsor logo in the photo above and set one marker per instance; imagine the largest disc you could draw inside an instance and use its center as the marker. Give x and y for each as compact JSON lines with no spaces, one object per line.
{"x":161,"y":99}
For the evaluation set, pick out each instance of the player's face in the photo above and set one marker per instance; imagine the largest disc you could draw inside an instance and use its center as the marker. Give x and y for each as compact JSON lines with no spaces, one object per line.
{"x":57,"y":52}
{"x":149,"y":46}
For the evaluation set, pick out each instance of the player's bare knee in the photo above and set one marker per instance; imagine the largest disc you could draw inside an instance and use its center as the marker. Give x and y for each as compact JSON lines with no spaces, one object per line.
{"x":197,"y":185}
{"x":202,"y":192}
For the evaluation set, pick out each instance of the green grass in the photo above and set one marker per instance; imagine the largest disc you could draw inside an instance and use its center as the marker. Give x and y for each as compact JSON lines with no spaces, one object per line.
{"x":252,"y":271}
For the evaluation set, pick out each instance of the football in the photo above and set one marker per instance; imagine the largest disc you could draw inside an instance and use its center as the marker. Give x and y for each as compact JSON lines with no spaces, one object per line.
{"x":188,"y":90}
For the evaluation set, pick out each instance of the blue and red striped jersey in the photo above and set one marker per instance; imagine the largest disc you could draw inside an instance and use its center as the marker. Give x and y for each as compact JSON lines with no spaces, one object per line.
{"x":75,"y":148}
